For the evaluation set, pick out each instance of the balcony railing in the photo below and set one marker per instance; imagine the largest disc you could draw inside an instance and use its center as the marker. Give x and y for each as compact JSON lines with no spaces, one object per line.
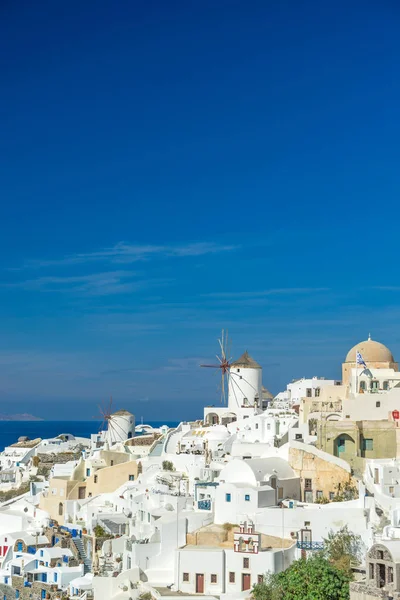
{"x":204,"y":504}
{"x":310,"y":545}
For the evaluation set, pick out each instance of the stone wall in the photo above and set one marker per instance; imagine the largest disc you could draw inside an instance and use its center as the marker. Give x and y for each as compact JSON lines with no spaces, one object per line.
{"x":361,"y":591}
{"x":6,"y":592}
{"x":325,"y":475}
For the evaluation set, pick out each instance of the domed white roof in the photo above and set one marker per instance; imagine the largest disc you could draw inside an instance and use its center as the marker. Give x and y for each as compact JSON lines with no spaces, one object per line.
{"x":371,"y":351}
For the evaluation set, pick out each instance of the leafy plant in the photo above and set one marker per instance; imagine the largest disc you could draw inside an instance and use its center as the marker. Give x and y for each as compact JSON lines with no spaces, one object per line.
{"x":314,"y":578}
{"x":343,"y":549}
{"x":167,"y":465}
{"x":323,"y":500}
{"x":345,"y":492}
{"x":99,"y":531}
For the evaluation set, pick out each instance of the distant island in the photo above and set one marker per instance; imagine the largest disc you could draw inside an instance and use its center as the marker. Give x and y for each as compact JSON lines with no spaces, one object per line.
{"x":20,"y":417}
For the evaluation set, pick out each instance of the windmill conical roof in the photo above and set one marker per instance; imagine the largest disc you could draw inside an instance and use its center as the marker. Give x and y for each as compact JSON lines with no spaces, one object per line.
{"x":245,"y":361}
{"x":266,"y":393}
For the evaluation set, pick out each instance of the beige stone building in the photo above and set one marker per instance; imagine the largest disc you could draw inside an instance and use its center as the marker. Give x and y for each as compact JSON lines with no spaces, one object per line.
{"x":321,"y":475}
{"x":355,"y":441}
{"x":375,"y":355}
{"x":89,"y":478}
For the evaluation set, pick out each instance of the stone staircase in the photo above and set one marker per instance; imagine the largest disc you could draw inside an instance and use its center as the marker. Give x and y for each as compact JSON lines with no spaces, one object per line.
{"x":87,"y":563}
{"x":115,"y":528}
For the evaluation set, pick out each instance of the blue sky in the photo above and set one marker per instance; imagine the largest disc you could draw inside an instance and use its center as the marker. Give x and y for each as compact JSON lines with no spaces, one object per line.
{"x":169,"y":169}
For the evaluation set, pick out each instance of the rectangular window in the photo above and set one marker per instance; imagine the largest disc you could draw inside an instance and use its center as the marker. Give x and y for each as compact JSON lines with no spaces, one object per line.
{"x":246,"y":563}
{"x":378,"y":404}
{"x":368,"y":444}
{"x":87,"y":472}
{"x":307,"y":523}
{"x":319,"y":494}
{"x":331,"y":495}
{"x":260,"y":578}
{"x":256,"y":425}
{"x":371,"y":571}
{"x":131,"y":478}
{"x":247,"y":497}
{"x":185,"y":577}
{"x":95,"y":478}
{"x":213,"y":578}
{"x":111,"y":463}
{"x":308,"y":484}
{"x":231,"y":577}
{"x":380,"y":554}
{"x":391,"y":489}
{"x":227,"y":497}
{"x":390,"y":574}
{"x":308,"y":393}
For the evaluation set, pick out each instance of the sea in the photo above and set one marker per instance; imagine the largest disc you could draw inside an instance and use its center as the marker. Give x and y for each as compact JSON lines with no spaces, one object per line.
{"x":10,"y":431}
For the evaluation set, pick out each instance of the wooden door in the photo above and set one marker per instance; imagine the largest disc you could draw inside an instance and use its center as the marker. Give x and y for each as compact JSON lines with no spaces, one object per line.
{"x":246,"y":582}
{"x":199,"y":583}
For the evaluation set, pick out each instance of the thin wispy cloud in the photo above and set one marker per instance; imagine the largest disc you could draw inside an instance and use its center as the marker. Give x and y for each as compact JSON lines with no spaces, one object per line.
{"x":125,"y":253}
{"x":265,"y":293}
{"x":93,"y":284}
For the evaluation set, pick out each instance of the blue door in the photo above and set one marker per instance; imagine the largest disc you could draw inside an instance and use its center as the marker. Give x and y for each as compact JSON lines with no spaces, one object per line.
{"x":19,"y":547}
{"x":43,"y":595}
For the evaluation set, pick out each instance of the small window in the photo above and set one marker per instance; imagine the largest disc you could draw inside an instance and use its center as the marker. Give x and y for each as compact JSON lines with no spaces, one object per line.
{"x":308,"y":484}
{"x":385,"y":385}
{"x":331,"y":495}
{"x":377,"y":404}
{"x":368,"y":444}
{"x":87,"y":472}
{"x":308,"y":392}
{"x":237,"y":370}
{"x":5,"y":539}
{"x":363,"y":386}
{"x":111,"y":463}
{"x":246,"y":563}
{"x":95,"y":478}
{"x":307,"y":523}
{"x":131,"y":478}
{"x":380,"y":554}
{"x":391,"y":489}
{"x":185,"y":577}
{"x":247,"y":497}
{"x":231,"y":577}
{"x":371,"y":571}
{"x":256,"y":425}
{"x":320,"y":494}
{"x":260,"y":578}
{"x":227,"y":497}
{"x":41,"y":553}
{"x":317,"y":392}
{"x":390,"y":574}
{"x":213,"y":578}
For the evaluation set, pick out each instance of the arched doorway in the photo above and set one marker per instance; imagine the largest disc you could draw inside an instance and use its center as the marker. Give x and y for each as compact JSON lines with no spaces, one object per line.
{"x":344,"y":446}
{"x":212,"y":419}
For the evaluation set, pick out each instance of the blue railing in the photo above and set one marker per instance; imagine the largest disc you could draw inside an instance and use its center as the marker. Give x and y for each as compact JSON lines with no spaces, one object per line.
{"x":310,"y":545}
{"x":31,"y":550}
{"x":204,"y":504}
